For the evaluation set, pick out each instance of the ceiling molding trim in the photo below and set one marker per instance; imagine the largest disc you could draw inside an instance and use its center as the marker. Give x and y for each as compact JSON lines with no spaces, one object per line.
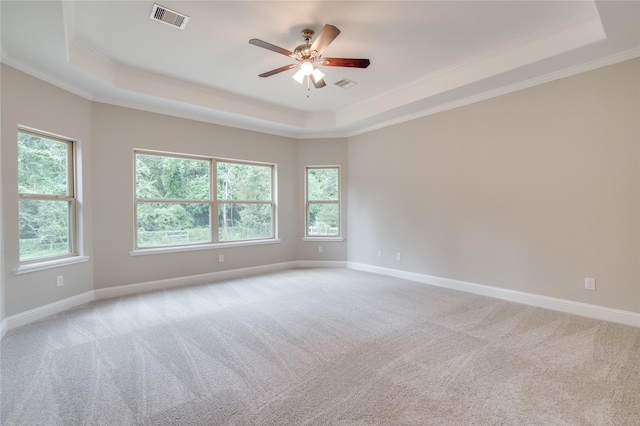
{"x":543,"y":44}
{"x":28,"y":69}
{"x":86,"y":59}
{"x":144,"y":82}
{"x":148,"y":83}
{"x":69,"y":23}
{"x":236,"y":122}
{"x":547,"y":78}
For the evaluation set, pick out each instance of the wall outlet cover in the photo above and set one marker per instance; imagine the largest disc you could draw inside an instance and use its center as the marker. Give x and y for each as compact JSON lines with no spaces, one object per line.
{"x":590,"y":284}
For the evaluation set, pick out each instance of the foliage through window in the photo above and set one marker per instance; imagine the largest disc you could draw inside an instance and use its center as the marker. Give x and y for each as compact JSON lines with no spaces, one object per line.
{"x":46,"y":197}
{"x":323,"y":202}
{"x":176,"y":200}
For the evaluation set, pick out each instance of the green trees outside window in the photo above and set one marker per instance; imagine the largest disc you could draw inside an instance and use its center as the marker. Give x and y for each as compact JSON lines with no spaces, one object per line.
{"x":323,"y":201}
{"x":46,"y":198}
{"x":245,"y":210}
{"x":175,"y":200}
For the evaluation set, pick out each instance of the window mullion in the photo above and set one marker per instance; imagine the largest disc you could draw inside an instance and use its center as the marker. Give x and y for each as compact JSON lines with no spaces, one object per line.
{"x":213,"y":218}
{"x":71,"y":171}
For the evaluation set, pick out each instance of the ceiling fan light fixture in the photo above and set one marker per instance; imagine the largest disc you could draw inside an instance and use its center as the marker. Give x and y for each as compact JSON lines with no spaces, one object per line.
{"x":307,"y":68}
{"x":299,"y":76}
{"x":317,"y":75}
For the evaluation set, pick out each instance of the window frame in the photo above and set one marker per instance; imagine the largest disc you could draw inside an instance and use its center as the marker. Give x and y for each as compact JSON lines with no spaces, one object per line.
{"x":71,"y":198}
{"x":214,"y":179}
{"x":212,"y":201}
{"x":308,"y":203}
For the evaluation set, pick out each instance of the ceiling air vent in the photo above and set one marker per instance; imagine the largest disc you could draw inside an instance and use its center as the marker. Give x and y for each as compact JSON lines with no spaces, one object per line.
{"x":169,"y":17}
{"x":345,"y":84}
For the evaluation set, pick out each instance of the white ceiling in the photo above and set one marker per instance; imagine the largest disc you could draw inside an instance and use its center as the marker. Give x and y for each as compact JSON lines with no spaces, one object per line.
{"x":426,"y":56}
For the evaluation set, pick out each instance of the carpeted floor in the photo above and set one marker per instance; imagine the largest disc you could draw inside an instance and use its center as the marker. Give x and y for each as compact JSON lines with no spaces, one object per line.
{"x":320,"y":347}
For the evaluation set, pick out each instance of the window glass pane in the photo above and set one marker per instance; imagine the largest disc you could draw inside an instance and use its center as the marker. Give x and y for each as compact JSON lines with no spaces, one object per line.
{"x":244,"y":182}
{"x":244,"y":221}
{"x":42,"y":165}
{"x":44,"y":228}
{"x":160,"y":177}
{"x":322,"y":184}
{"x":323,"y":219}
{"x":163,"y":224}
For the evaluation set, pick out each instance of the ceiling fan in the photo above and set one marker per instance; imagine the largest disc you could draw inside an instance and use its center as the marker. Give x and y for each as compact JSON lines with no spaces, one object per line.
{"x":309,"y":56}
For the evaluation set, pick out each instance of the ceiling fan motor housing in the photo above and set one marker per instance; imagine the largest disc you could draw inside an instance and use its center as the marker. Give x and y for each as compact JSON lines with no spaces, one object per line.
{"x":303,"y":51}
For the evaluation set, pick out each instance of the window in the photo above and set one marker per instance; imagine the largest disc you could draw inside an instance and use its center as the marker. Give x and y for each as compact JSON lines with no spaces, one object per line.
{"x":245,"y":207}
{"x":46,"y":197}
{"x":176,"y":200}
{"x":323,"y":202}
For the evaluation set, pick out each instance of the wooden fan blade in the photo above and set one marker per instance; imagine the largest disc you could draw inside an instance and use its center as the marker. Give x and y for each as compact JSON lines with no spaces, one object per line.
{"x":269,"y":46}
{"x":320,"y":84}
{"x":277,"y":70}
{"x":324,"y":39}
{"x":345,"y":62}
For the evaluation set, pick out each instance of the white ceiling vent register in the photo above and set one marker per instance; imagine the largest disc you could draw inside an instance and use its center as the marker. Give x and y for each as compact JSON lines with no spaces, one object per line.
{"x":169,"y":17}
{"x":345,"y":84}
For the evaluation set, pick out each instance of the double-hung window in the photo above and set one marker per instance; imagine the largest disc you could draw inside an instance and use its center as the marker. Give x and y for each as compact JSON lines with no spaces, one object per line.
{"x":179,"y":197}
{"x":46,"y":197}
{"x":323,"y":201}
{"x":245,"y":201}
{"x":173,"y":200}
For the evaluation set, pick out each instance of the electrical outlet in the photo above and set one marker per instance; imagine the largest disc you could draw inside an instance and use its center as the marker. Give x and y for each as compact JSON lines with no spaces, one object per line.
{"x":59,"y":281}
{"x":221,"y":258}
{"x":590,"y":284}
{"x":379,"y":253}
{"x":319,"y":249}
{"x":398,"y":256}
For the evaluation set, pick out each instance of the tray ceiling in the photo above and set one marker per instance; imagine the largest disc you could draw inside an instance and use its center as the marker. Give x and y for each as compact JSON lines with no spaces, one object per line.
{"x":426,"y":56}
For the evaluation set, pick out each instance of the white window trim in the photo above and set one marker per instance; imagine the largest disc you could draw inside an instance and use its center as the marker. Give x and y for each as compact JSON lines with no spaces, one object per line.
{"x":212,"y":201}
{"x":198,"y":247}
{"x":327,"y":238}
{"x":40,"y":263}
{"x":308,"y":237}
{"x":48,"y":264}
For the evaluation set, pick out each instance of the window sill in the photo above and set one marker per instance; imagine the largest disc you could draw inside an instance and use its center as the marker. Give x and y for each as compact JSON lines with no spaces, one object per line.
{"x":323,"y":239}
{"x":178,"y":249}
{"x":40,"y":266}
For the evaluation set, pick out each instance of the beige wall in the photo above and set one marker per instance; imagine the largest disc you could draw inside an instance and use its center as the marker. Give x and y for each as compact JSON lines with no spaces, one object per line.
{"x":117,"y":132}
{"x":323,"y":152}
{"x":30,"y":102}
{"x":531,"y":191}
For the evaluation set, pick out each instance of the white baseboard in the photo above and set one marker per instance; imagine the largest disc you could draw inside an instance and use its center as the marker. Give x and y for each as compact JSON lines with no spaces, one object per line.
{"x":577,"y":308}
{"x":321,"y":264}
{"x":41,"y":312}
{"x":124,"y":290}
{"x":3,"y":328}
{"x":44,"y":311}
{"x":562,"y":305}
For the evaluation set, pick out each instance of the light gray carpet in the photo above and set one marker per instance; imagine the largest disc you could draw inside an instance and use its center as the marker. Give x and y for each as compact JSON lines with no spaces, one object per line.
{"x":321,"y":347}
